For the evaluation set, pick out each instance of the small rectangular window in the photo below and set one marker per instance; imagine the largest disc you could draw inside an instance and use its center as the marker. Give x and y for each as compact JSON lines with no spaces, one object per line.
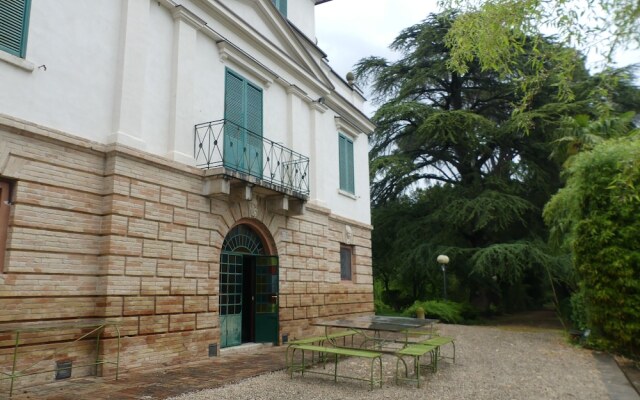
{"x":5,"y":198}
{"x":14,"y":26}
{"x":346,"y":260}
{"x":345,"y":156}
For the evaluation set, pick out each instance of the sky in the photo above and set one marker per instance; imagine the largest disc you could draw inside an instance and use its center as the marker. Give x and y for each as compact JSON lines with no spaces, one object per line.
{"x":348,"y":30}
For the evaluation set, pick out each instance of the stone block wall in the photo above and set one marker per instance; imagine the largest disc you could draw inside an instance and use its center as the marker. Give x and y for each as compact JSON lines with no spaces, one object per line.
{"x":110,"y":232}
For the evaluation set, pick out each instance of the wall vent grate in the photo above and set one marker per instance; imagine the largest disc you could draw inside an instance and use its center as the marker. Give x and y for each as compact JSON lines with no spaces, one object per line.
{"x":63,"y":369}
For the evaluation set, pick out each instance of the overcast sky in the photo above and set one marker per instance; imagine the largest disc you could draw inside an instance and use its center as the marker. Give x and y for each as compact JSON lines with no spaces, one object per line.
{"x":348,"y":30}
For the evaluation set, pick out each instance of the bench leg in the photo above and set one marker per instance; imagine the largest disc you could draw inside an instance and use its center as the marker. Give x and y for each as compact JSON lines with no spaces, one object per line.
{"x":453,"y":358}
{"x":302,"y":372}
{"x":433,"y":361}
{"x":417,"y":365}
{"x":289,"y":362}
{"x":406,"y":370}
{"x":454,"y":351}
{"x":435,"y":357}
{"x":380,"y":369}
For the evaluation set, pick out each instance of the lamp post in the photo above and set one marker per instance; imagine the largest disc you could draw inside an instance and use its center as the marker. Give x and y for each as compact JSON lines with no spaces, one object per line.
{"x":443,"y":261}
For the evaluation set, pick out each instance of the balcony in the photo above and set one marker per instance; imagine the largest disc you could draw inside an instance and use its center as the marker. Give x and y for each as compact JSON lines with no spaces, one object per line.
{"x":233,"y":153}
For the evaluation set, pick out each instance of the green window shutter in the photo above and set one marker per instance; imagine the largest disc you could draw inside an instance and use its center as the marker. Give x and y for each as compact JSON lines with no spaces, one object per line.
{"x":281,"y":5}
{"x":254,"y":109}
{"x":243,"y":148}
{"x":243,"y":103}
{"x":14,"y":26}
{"x":234,"y":121}
{"x":342,"y":147}
{"x":233,"y":99}
{"x":345,"y":149}
{"x":350,"y":177}
{"x":254,"y":157}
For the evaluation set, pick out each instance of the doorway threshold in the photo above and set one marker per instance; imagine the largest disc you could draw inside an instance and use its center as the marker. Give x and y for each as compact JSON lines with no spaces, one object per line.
{"x":245,"y":348}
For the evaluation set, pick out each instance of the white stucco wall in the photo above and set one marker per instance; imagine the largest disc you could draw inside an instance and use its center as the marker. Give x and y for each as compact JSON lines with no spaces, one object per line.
{"x":301,"y":14}
{"x":74,"y":55}
{"x":157,"y":83}
{"x":148,"y":83}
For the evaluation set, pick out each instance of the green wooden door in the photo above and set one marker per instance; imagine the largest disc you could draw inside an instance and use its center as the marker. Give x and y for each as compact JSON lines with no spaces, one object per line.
{"x":231,"y":270}
{"x":243,"y":125}
{"x":266,"y":299}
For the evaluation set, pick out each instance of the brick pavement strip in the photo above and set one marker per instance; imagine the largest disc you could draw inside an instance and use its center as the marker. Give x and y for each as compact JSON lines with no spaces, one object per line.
{"x":163,"y":383}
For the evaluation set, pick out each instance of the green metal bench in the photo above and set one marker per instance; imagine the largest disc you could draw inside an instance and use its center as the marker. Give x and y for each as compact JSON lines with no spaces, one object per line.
{"x":321,"y":339}
{"x":416,"y":351}
{"x":440,"y":341}
{"x":336,"y":351}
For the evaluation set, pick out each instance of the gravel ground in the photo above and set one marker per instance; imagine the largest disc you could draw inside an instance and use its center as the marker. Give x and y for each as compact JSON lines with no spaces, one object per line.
{"x":491,"y":363}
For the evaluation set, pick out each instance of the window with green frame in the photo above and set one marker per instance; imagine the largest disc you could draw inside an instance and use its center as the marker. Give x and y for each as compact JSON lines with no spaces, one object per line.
{"x":345,"y":155}
{"x":14,"y":26}
{"x":281,"y":5}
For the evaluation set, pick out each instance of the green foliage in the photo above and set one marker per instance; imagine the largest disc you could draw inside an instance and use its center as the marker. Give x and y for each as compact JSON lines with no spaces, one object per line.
{"x":446,"y":311}
{"x":510,"y":261}
{"x":490,"y":210}
{"x":382,"y":309}
{"x":495,"y":33}
{"x":605,"y":239}
{"x":579,"y":311}
{"x":483,"y":180}
{"x":456,"y":169}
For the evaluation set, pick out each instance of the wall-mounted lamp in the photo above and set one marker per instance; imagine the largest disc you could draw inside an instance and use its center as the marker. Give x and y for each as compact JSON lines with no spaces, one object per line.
{"x":320,"y":100}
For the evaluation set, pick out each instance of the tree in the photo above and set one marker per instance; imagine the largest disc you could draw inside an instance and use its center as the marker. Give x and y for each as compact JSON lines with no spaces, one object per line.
{"x":452,"y":162}
{"x":495,"y":33}
{"x":597,"y":211}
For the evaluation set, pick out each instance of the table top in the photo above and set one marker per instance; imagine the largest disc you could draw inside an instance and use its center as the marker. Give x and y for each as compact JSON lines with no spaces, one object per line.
{"x":378,"y":323}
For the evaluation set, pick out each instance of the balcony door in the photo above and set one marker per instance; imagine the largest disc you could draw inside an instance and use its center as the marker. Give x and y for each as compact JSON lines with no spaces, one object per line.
{"x":243,"y":125}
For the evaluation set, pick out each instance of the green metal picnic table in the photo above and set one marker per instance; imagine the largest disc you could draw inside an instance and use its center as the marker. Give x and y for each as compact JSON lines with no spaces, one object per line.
{"x":382,"y":330}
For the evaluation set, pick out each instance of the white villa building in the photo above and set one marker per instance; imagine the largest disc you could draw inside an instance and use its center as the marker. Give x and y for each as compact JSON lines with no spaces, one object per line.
{"x":192,"y":172}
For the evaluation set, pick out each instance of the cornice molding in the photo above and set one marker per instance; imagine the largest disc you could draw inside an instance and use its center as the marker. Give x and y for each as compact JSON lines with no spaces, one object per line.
{"x":183,"y":14}
{"x":356,"y":120}
{"x":345,"y":126}
{"x":228,"y":51}
{"x":313,"y":76}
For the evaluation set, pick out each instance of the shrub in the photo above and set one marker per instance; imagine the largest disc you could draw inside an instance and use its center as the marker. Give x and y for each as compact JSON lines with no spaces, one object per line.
{"x":446,"y":311}
{"x":604,"y":233}
{"x":578,"y":310}
{"x":381,"y":308}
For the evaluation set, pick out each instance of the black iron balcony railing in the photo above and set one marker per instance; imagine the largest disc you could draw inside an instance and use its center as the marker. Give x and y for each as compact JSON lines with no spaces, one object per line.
{"x":224,"y":144}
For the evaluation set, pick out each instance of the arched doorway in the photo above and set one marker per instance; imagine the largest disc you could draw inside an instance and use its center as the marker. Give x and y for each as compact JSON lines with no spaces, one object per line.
{"x":248,"y":289}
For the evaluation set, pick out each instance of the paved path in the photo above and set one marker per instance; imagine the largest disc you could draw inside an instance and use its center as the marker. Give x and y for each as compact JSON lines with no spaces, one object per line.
{"x":617,"y":384}
{"x":160,"y":384}
{"x":219,"y":371}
